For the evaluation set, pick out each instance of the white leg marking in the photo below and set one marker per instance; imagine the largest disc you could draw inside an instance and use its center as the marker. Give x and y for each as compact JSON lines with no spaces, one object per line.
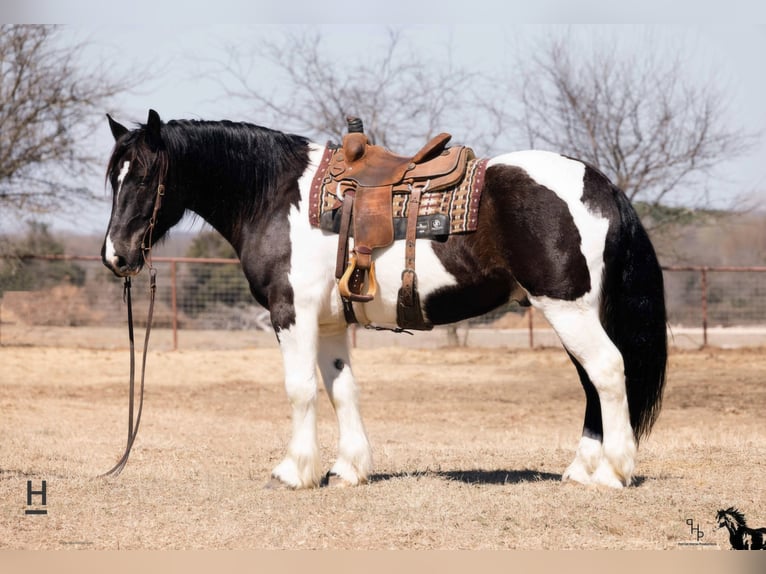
{"x":312,"y":278}
{"x":300,"y":468}
{"x":587,"y":459}
{"x":580,"y":330}
{"x":354,"y":462}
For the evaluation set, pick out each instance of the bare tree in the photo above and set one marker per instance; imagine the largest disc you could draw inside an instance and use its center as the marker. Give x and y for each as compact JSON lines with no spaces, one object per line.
{"x":49,"y":105}
{"x":638,"y":117}
{"x":403,"y":97}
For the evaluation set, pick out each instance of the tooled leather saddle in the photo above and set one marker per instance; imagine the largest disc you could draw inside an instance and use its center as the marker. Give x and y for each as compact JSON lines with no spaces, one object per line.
{"x":366,"y":181}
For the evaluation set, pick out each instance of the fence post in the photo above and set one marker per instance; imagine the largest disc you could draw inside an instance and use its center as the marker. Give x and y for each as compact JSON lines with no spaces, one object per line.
{"x":703,"y":288}
{"x":531,"y":316}
{"x":174,"y":303}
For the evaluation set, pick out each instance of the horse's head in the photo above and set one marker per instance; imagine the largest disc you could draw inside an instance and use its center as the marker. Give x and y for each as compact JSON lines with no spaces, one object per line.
{"x":730,"y":518}
{"x":141,"y":212}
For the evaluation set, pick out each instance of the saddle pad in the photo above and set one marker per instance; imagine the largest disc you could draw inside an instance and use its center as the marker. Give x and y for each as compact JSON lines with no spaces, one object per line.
{"x":428,"y":226}
{"x":460,"y":205}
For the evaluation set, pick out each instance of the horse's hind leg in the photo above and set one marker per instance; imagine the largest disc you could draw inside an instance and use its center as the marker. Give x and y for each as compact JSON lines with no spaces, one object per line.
{"x":354,"y":462}
{"x":579,"y":328}
{"x":589,"y":450}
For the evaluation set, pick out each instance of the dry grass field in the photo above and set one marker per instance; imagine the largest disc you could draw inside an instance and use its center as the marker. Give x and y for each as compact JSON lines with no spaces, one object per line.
{"x":469,"y":446}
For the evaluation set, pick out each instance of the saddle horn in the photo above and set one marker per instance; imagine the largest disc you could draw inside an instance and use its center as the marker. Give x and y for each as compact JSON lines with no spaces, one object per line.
{"x":355,"y":125}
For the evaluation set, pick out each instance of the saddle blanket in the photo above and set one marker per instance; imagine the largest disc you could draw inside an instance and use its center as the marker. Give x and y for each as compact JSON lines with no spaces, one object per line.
{"x":441,"y":213}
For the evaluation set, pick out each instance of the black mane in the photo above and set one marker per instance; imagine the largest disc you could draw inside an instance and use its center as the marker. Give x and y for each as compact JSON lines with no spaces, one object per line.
{"x":736,"y":514}
{"x":245,"y":164}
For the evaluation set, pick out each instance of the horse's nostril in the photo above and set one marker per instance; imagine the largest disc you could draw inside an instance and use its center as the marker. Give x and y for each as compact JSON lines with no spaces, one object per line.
{"x":119,"y":262}
{"x":116,"y":263}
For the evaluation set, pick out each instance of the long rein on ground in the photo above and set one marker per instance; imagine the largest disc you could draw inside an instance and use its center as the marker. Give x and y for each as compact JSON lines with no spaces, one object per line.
{"x":146,"y":250}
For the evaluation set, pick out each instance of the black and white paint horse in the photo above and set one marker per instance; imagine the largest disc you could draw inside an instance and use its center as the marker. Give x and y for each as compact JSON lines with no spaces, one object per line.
{"x":741,"y":537}
{"x":553,"y":232}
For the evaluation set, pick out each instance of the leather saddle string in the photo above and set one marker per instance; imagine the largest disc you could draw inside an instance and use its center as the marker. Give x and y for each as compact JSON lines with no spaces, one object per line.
{"x":133,"y":428}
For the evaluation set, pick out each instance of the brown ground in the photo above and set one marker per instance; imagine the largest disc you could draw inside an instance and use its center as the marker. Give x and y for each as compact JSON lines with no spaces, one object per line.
{"x":469,"y":446}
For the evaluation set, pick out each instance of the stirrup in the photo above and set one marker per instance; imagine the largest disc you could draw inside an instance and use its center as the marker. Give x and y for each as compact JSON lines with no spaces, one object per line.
{"x":372,"y":284}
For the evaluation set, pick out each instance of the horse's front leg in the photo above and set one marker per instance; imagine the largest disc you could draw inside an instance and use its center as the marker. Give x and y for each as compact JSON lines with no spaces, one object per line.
{"x":354,"y":462}
{"x":301,"y":466}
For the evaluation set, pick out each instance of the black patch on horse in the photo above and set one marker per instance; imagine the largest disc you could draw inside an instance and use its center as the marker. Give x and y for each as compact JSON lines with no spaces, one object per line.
{"x":541,"y":250}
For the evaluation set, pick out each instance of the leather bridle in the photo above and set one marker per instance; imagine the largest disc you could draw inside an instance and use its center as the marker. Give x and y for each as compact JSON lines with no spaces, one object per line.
{"x":146,"y":250}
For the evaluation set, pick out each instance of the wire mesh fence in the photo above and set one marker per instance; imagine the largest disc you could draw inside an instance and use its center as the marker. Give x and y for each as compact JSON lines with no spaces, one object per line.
{"x":42,"y":296}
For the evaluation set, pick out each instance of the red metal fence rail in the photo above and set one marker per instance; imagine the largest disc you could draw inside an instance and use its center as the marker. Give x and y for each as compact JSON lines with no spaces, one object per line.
{"x":757,"y":294}
{"x":206,"y":293}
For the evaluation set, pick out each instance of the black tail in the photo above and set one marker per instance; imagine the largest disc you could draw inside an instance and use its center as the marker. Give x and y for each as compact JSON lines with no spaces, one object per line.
{"x":633,"y":313}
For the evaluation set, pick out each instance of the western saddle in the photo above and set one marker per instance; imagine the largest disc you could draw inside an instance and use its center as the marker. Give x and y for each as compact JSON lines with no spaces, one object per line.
{"x":363,"y":178}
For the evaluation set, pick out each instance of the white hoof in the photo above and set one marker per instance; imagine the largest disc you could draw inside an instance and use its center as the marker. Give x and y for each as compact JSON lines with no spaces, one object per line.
{"x":606,"y":476}
{"x":335,"y":481}
{"x":345,"y":474}
{"x":576,"y":472}
{"x":275,"y":483}
{"x":288,"y":473}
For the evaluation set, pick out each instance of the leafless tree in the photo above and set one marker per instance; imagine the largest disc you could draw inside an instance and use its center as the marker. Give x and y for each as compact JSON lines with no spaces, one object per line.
{"x":50,"y":103}
{"x":638,"y":116}
{"x":403,"y":97}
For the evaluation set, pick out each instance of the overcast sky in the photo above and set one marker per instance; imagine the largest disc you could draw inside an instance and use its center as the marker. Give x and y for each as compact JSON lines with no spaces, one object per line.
{"x":732,"y":53}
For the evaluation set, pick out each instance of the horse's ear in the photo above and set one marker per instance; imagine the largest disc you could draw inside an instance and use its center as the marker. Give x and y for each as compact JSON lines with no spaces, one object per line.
{"x":118,"y":130}
{"x":153,"y":124}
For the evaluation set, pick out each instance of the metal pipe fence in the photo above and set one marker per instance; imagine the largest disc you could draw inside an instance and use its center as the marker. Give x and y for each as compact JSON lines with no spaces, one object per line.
{"x":195,"y":294}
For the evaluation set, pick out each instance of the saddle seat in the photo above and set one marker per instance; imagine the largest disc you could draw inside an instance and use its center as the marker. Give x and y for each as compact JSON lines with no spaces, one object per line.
{"x":363,"y":177}
{"x":374,"y":166}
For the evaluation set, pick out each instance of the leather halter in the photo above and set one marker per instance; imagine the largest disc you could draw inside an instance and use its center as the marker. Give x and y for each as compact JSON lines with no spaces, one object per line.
{"x":146,"y":250}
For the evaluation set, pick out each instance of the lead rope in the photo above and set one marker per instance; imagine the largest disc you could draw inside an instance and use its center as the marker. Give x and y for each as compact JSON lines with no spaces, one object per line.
{"x":133,"y":427}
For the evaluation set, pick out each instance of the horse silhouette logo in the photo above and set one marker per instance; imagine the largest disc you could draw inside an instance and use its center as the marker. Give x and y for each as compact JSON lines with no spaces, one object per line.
{"x":741,"y":536}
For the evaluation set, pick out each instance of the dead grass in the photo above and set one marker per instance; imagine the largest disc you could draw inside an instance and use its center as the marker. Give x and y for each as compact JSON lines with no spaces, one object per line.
{"x":469,"y":447}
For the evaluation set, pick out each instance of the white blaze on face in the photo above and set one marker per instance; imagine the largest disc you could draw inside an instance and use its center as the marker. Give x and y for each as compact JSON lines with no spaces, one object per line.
{"x":109,"y":253}
{"x":121,"y":178}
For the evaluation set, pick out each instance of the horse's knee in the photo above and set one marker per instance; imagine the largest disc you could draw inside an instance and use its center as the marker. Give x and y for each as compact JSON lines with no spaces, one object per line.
{"x":301,"y":388}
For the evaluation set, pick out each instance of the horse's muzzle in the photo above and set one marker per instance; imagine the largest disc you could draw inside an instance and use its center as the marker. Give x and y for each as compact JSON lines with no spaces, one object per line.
{"x":121,"y":269}
{"x":119,"y":264}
